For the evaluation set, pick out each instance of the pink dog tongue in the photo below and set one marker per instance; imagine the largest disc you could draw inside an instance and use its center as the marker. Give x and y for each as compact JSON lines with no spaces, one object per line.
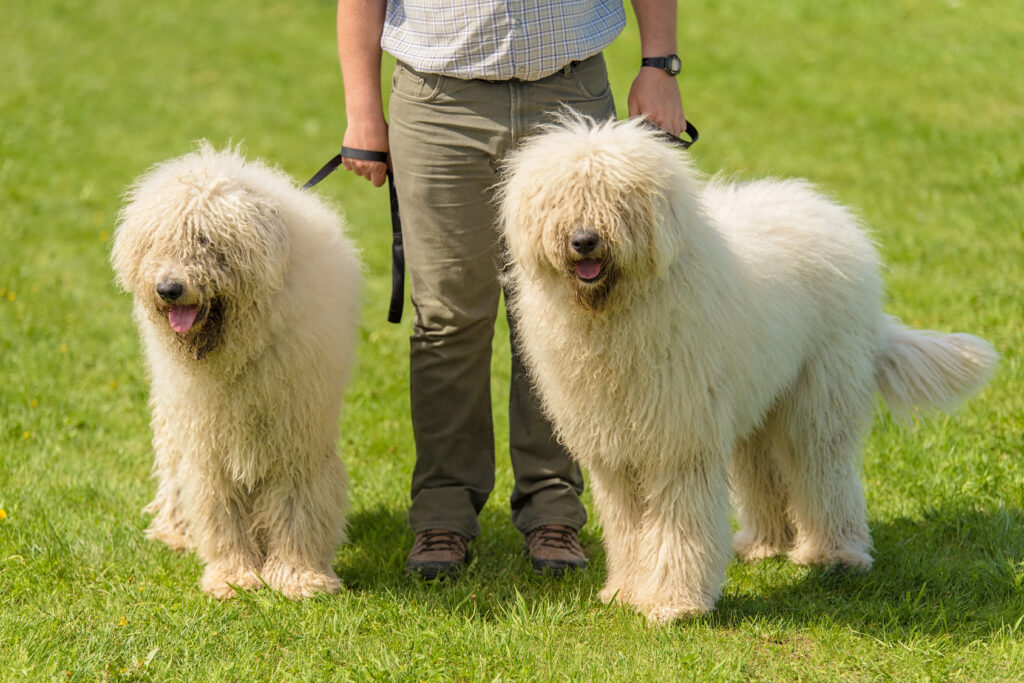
{"x":588,"y":269}
{"x":182,"y":317}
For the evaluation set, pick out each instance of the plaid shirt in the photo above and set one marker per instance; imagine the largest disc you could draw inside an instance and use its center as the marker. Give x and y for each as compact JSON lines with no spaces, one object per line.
{"x":499,"y":39}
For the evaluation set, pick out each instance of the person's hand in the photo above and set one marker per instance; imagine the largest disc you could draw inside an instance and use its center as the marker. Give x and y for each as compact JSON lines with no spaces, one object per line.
{"x":371,"y":134}
{"x":655,"y":94}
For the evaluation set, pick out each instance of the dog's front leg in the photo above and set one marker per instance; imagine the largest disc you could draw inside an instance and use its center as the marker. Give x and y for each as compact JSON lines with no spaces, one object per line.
{"x":169,"y":524}
{"x":684,"y":544}
{"x":223,"y":534}
{"x":617,"y":499}
{"x":303,"y":515}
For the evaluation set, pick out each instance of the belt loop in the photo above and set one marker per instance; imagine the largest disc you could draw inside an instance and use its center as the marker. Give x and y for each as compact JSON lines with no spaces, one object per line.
{"x":567,"y":69}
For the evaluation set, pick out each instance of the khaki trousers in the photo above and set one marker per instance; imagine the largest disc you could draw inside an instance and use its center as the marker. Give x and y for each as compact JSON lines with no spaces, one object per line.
{"x":447,"y":137}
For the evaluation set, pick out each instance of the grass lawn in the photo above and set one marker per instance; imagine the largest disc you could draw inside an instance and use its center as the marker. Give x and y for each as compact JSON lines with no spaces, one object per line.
{"x":911,"y":111}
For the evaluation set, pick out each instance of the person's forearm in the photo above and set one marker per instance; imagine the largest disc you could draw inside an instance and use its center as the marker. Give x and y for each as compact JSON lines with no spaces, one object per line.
{"x":656,"y":20}
{"x":655,"y":93}
{"x":360,"y":24}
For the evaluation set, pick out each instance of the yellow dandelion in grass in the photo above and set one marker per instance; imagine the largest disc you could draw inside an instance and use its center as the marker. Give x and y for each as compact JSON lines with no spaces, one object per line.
{"x":3,"y":514}
{"x":104,"y":235}
{"x":113,"y":384}
{"x":26,"y":435}
{"x":11,"y":296}
{"x":124,"y":621}
{"x":63,"y":348}
{"x":35,"y":403}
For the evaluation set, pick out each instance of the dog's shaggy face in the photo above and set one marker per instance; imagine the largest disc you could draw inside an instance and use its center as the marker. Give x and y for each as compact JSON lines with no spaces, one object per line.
{"x":198,"y":249}
{"x":581,"y":208}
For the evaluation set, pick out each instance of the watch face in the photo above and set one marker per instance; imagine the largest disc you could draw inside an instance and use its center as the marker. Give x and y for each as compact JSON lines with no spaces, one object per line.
{"x":673,"y":65}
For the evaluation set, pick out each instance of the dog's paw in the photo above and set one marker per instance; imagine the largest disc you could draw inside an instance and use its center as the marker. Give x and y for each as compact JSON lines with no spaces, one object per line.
{"x":222,"y":581}
{"x":617,"y":593}
{"x":659,"y":615}
{"x":663,"y":605}
{"x":751,"y":547}
{"x":174,"y":536}
{"x":849,"y":558}
{"x":299,"y":582}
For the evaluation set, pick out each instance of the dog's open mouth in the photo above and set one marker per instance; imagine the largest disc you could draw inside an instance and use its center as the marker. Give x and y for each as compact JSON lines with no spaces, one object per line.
{"x":589,"y":270}
{"x":191,"y":318}
{"x":198,"y":326}
{"x":182,"y":318}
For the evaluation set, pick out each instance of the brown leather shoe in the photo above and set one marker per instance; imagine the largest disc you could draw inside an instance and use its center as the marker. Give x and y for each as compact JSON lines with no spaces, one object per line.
{"x":555,"y":548}
{"x":437,"y":553}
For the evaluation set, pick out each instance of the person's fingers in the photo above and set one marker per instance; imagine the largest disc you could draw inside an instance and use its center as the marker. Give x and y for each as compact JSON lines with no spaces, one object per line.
{"x":374,"y":171}
{"x":673,"y":123}
{"x":378,"y":173}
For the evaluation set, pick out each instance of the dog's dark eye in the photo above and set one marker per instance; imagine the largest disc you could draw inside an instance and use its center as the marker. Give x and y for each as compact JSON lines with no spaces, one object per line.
{"x":203,"y":241}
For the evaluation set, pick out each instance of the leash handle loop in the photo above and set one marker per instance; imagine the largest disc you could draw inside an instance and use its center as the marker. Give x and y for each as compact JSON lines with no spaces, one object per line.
{"x":363,"y":154}
{"x":682,"y":143}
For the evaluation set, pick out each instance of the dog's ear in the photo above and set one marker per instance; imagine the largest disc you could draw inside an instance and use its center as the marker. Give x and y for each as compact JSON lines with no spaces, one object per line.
{"x":130,"y":244}
{"x":256,"y":243}
{"x":669,"y":236}
{"x":519,"y":228}
{"x":677,"y":211}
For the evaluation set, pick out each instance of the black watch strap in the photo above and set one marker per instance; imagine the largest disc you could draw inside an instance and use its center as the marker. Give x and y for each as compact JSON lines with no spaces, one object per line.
{"x":670,"y":64}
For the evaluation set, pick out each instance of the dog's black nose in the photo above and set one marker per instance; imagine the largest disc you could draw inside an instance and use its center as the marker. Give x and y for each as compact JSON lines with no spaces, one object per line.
{"x":584,"y":242}
{"x":170,"y":290}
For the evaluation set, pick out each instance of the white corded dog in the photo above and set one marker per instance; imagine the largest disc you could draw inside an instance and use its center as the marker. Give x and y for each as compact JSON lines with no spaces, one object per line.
{"x":246,"y":295}
{"x":684,"y":334}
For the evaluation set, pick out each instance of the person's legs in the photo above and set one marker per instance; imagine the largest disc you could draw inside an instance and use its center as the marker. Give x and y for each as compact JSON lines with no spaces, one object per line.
{"x":443,"y":136}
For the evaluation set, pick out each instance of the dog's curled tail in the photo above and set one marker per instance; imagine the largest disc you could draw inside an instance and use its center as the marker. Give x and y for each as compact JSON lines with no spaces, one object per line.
{"x":923,"y":369}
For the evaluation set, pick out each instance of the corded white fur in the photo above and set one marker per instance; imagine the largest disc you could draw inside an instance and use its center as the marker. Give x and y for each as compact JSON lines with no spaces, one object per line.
{"x":245,"y":404}
{"x":737,"y":334}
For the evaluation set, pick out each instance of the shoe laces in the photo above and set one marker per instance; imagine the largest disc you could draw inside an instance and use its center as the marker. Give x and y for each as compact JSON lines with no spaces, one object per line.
{"x":440,"y":539}
{"x":553,"y":536}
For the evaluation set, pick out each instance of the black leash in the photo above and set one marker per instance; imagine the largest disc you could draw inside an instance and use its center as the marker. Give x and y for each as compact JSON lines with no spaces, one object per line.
{"x":682,"y":143}
{"x":397,"y":249}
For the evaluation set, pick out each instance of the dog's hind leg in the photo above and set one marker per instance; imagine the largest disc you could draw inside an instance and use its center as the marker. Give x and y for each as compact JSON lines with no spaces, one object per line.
{"x":761,"y":494}
{"x":303,"y":518}
{"x":824,"y":419}
{"x":684,"y":543}
{"x":618,"y":504}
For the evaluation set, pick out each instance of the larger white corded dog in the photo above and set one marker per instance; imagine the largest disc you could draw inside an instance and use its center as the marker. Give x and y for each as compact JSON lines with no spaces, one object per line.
{"x":683,"y":333}
{"x":246,"y":296}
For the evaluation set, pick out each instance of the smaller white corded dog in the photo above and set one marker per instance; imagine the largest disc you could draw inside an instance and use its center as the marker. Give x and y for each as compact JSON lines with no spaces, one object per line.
{"x":685,"y":334}
{"x":246,"y":295}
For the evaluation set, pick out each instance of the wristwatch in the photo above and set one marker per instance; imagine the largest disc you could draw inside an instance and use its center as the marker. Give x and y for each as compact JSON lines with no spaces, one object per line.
{"x":670,"y":63}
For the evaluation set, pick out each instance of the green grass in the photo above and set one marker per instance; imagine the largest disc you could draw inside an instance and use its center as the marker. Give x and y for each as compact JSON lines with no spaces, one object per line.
{"x":910,"y":111}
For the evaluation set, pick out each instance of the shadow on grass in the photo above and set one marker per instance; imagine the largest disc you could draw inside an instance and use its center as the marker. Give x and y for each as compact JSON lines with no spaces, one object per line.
{"x":498,"y":579}
{"x":953,"y":573}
